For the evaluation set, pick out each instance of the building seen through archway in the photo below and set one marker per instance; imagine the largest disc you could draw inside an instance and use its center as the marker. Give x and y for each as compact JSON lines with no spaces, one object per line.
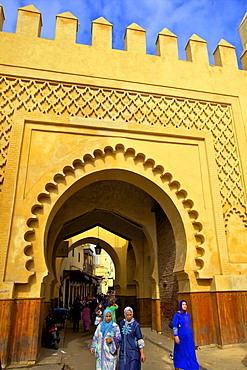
{"x":85,"y":273}
{"x":105,"y":268}
{"x":77,"y":275}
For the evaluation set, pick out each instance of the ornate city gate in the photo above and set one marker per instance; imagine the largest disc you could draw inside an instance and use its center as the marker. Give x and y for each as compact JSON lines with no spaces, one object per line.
{"x":150,"y":147}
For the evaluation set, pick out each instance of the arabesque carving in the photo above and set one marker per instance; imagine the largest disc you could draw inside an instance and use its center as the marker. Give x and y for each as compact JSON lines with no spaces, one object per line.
{"x":111,"y":104}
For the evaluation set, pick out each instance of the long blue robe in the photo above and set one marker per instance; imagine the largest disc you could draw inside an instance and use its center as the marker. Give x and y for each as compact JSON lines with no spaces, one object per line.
{"x":184,"y":355}
{"x":131,"y":342}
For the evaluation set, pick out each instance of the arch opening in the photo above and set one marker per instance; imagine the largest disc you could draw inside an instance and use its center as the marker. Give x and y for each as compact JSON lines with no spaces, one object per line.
{"x":127,"y":210}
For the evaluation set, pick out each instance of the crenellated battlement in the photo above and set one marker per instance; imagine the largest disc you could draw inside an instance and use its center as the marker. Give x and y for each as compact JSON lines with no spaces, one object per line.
{"x":29,"y":24}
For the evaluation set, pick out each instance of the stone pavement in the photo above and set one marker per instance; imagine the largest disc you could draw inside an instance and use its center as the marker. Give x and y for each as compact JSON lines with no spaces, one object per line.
{"x":209,"y":357}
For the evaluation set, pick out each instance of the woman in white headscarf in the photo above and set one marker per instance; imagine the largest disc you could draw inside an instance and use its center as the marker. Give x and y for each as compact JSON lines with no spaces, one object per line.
{"x":132,"y":344}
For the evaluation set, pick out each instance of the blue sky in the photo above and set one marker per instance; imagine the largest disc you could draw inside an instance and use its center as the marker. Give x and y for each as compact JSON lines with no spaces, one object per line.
{"x":212,"y":20}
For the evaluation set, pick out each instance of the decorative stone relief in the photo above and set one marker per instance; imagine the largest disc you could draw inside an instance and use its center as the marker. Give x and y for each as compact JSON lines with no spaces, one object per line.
{"x":236,"y":235}
{"x":95,"y":102}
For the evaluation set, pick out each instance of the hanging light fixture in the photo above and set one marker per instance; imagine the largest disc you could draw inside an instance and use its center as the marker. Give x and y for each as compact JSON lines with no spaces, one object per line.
{"x":98,"y":247}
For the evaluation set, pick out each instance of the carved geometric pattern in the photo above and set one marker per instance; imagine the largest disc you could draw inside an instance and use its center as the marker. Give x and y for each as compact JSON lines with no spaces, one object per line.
{"x":77,"y":169}
{"x":234,"y":210}
{"x":112,"y":104}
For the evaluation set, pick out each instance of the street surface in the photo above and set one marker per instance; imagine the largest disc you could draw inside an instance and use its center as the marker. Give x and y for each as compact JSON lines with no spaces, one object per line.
{"x":77,"y":355}
{"x":73,"y":352}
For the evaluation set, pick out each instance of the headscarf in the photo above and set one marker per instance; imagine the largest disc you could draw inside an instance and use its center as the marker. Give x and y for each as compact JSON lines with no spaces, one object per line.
{"x":127,"y":309}
{"x":106,"y":326}
{"x":180,"y":306}
{"x":125,"y":312}
{"x":98,"y":308}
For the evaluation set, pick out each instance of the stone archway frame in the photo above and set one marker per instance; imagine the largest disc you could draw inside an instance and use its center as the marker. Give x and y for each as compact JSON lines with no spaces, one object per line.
{"x":108,"y":153}
{"x":73,"y":167}
{"x":130,"y":153}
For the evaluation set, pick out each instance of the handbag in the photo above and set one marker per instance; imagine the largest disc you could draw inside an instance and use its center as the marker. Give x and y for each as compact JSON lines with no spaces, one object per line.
{"x":171,"y":323}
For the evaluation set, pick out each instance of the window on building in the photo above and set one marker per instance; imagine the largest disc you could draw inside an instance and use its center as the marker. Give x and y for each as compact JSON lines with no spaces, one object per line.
{"x":79,"y":257}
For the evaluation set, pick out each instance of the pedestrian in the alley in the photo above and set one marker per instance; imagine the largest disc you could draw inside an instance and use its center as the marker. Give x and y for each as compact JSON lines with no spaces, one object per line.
{"x":113,"y":307}
{"x":105,"y":343}
{"x":106,"y":302}
{"x":76,"y":314}
{"x":132,"y":344}
{"x":184,"y":355}
{"x":99,"y":313}
{"x":86,"y":317}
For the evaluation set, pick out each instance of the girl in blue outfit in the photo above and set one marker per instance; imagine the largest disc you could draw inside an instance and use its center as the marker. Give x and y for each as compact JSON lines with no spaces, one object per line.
{"x":132,"y":344}
{"x":184,"y":355}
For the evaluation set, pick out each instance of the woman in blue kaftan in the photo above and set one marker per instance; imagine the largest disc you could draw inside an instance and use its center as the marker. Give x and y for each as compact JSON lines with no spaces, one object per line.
{"x":105,"y":343}
{"x":184,"y":355}
{"x":132,"y":345}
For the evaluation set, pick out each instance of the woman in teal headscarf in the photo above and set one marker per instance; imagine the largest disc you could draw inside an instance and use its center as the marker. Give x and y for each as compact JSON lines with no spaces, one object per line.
{"x":105,"y":343}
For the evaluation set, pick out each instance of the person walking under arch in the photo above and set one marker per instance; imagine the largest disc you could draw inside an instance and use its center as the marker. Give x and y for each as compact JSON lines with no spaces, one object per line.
{"x":105,"y":343}
{"x":98,"y":313}
{"x":113,"y":307}
{"x":132,"y":344}
{"x":86,"y":317}
{"x":76,"y":314}
{"x":184,"y":354}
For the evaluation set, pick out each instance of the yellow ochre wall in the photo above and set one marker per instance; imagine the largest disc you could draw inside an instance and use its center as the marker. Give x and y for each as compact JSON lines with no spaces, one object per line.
{"x":71,"y":111}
